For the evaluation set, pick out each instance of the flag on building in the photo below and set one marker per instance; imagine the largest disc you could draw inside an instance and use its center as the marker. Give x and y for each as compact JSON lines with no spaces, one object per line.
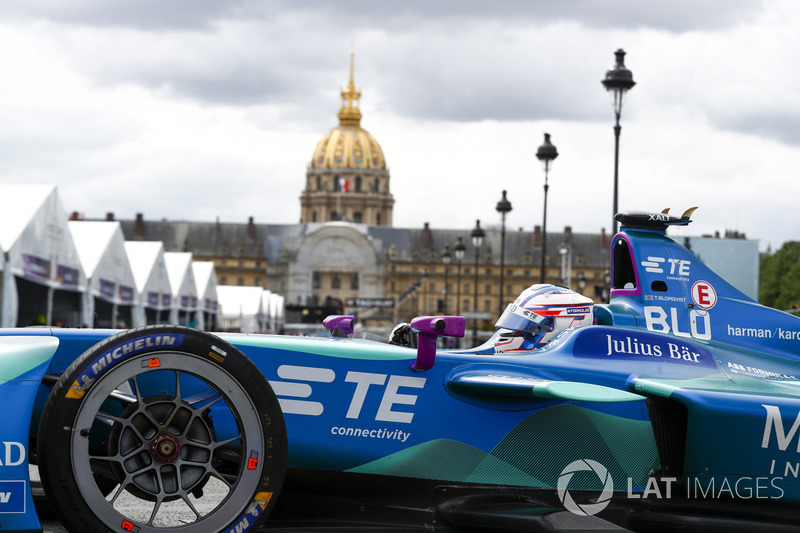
{"x":344,"y":185}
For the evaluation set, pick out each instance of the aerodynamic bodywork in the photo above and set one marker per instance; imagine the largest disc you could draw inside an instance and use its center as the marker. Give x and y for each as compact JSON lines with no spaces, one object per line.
{"x":677,"y":410}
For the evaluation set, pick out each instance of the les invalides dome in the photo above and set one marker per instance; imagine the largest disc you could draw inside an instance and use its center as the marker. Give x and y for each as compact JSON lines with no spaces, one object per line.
{"x":347,"y":178}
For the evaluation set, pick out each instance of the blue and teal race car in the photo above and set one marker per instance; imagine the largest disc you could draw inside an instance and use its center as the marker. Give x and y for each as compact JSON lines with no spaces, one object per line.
{"x":678,"y":409}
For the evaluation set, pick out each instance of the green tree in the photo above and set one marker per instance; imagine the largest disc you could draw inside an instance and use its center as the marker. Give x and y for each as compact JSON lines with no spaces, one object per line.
{"x":779,"y":279}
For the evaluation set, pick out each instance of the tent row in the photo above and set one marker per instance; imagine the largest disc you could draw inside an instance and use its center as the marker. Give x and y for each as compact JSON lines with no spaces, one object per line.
{"x":84,"y":273}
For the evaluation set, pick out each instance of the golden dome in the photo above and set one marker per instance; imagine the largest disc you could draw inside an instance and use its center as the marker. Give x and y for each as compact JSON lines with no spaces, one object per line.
{"x":349,"y":145}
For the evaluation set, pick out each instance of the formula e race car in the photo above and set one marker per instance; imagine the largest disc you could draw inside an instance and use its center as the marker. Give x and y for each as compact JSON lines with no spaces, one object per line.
{"x":678,"y":409}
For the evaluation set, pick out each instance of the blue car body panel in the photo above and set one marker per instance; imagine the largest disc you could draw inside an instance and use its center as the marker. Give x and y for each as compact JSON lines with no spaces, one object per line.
{"x":682,"y":374}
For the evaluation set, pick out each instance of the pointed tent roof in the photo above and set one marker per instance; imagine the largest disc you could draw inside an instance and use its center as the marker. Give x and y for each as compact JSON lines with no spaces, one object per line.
{"x":205,"y":279}
{"x":241,"y":305}
{"x":18,"y":206}
{"x":181,"y":277}
{"x":235,"y":300}
{"x":143,"y":256}
{"x":92,"y":239}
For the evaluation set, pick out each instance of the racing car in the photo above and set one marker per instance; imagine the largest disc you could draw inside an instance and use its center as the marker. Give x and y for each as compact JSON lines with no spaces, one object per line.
{"x":675,"y":407}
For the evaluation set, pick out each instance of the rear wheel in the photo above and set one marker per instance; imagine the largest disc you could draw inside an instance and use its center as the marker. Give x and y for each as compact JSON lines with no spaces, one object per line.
{"x":162,"y":428}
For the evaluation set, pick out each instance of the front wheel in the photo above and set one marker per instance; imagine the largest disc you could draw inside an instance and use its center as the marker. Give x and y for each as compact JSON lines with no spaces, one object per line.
{"x":160,"y":429}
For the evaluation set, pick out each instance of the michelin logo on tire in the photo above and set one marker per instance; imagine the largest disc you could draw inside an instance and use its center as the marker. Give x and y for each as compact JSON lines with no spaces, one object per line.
{"x":585,"y":465}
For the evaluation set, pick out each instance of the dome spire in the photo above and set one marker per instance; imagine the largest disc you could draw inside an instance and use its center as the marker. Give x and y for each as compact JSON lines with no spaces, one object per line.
{"x":350,"y":114}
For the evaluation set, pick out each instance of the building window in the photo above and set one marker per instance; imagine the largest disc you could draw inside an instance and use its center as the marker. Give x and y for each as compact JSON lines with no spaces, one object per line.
{"x":488,"y":289}
{"x":316,"y":280}
{"x":314,"y":216}
{"x":336,"y":187}
{"x":358,"y":183}
{"x":223,"y":280}
{"x":376,"y":186}
{"x":357,"y":218}
{"x":378,"y":219}
{"x":336,"y":280}
{"x":240,"y":281}
{"x":487,"y":306}
{"x":354,"y":281}
{"x":257,"y":282}
{"x":319,"y":183}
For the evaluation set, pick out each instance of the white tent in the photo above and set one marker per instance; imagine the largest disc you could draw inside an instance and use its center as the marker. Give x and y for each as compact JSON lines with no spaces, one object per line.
{"x":184,"y":288}
{"x":241,"y":308}
{"x":205,"y":276}
{"x":42,"y":277}
{"x":277,"y":312}
{"x":152,"y":282}
{"x":111,"y":293}
{"x":266,"y":308}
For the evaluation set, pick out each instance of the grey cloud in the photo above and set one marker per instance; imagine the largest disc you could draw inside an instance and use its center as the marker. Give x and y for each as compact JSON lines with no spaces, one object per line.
{"x":674,"y":16}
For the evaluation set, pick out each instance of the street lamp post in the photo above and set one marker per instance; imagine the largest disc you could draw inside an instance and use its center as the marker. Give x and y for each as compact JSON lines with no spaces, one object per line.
{"x":546,"y":154}
{"x":446,"y":258}
{"x":503,"y":207}
{"x":617,"y":82}
{"x":581,"y":281}
{"x":460,"y":248}
{"x":477,"y":235}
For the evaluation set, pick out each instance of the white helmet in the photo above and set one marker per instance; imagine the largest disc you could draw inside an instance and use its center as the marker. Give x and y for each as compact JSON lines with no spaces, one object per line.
{"x":539,"y":314}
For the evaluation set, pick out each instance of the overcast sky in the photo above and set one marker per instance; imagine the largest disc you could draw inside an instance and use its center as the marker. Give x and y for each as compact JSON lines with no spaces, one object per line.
{"x":206,"y":109}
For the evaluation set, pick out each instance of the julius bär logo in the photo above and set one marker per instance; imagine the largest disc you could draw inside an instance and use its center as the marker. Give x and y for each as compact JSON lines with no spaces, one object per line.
{"x":585,"y":465}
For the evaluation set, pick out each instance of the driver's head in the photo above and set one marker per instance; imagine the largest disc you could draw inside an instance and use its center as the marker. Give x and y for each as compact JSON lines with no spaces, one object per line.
{"x":539,"y":314}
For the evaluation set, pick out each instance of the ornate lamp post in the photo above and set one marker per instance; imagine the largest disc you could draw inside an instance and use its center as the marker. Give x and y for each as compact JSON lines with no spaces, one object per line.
{"x":477,"y":235}
{"x":581,"y":281}
{"x":460,"y":248}
{"x":546,"y":154}
{"x":503,"y":207}
{"x":617,"y":82}
{"x":446,"y":258}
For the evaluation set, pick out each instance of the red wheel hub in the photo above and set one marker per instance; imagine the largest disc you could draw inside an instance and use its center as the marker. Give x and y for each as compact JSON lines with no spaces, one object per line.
{"x":165,"y":448}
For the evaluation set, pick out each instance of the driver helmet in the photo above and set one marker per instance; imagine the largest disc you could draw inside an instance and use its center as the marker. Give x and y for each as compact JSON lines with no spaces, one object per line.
{"x":540,"y":313}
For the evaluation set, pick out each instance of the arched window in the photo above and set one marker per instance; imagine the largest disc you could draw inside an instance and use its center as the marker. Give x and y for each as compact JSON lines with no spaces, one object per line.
{"x":319,"y":183}
{"x":358,"y":183}
{"x":378,"y":219}
{"x":376,"y":186}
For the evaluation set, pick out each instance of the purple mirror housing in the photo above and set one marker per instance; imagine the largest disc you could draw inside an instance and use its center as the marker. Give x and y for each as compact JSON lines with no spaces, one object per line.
{"x":344,"y":323}
{"x":429,"y":328}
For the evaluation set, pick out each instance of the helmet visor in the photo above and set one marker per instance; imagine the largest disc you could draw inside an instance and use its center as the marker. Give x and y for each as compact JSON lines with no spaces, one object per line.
{"x":520,"y":319}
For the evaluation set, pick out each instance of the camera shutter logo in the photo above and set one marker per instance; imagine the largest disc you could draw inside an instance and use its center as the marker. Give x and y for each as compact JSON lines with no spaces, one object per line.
{"x":585,"y":465}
